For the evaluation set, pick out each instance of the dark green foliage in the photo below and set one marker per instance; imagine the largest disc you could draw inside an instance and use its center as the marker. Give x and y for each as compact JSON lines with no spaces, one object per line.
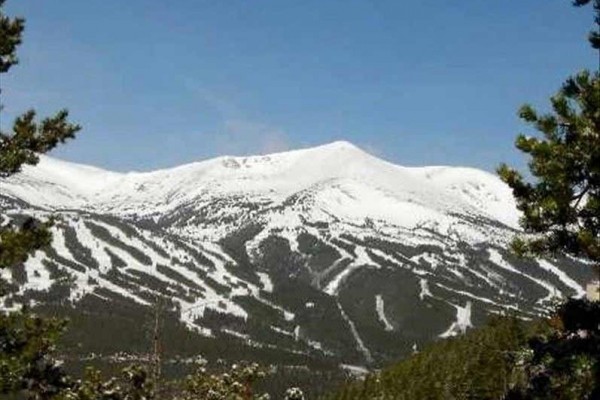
{"x":277,"y":257}
{"x":131,"y":232}
{"x":96,"y":322}
{"x":176,"y":276}
{"x":29,"y":138}
{"x":594,"y":36}
{"x":563,"y":361}
{"x":334,"y":335}
{"x":10,"y":34}
{"x":234,"y":245}
{"x":79,"y":252}
{"x":349,"y":247}
{"x":235,"y":384}
{"x":27,"y":340}
{"x":116,"y":261}
{"x":414,"y":321}
{"x":320,"y":254}
{"x":103,"y":233}
{"x":478,"y":365}
{"x":17,"y":243}
{"x":134,"y":383}
{"x":200,"y":258}
{"x":19,"y":276}
{"x":563,"y":205}
{"x":26,"y":367}
{"x":53,"y":255}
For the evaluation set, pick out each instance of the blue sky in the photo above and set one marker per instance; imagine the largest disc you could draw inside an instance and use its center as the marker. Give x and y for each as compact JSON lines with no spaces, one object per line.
{"x":422,"y":82}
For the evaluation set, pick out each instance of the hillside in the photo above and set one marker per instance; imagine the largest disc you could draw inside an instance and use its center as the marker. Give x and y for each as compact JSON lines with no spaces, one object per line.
{"x":323,"y":256}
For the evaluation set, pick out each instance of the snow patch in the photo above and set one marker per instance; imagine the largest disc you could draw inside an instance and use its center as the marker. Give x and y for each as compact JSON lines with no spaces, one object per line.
{"x":424,"y":289}
{"x":379,"y":307}
{"x":564,"y":278}
{"x":266,"y":282}
{"x":361,"y":259}
{"x":462,"y":323}
{"x":553,"y":292}
{"x":359,"y":343}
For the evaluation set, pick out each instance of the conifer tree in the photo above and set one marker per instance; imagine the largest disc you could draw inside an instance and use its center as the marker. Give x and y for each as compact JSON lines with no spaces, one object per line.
{"x":562,"y":206}
{"x":22,"y":146}
{"x":561,"y":209}
{"x":594,"y":36}
{"x":26,"y":340}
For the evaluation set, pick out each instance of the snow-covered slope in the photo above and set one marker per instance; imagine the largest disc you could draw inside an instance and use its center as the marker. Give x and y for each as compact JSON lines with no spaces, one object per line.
{"x":266,"y":248}
{"x":343,"y":174}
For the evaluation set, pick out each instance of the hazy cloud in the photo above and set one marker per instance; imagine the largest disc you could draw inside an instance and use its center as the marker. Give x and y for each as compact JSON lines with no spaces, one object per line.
{"x":243,"y":137}
{"x":237,"y":134}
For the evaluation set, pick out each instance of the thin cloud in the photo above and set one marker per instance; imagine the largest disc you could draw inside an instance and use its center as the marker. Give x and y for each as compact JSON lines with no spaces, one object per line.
{"x":243,"y":137}
{"x":237,"y":134}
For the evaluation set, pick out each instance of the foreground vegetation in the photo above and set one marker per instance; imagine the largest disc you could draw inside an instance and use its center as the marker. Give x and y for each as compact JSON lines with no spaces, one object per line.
{"x":555,"y":358}
{"x":508,"y":358}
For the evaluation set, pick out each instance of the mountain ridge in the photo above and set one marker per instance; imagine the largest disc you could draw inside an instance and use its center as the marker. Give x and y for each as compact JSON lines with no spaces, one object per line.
{"x":277,"y":175}
{"x":326,"y":253}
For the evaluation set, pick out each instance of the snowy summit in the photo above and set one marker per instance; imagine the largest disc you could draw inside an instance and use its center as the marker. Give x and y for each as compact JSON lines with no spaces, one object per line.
{"x":341,"y":176}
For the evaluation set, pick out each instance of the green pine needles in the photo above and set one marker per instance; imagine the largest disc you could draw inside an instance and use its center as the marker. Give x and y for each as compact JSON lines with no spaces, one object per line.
{"x":562,"y":206}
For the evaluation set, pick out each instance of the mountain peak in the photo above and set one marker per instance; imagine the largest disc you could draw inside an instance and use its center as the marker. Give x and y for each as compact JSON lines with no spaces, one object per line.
{"x":335,"y":165}
{"x":339,"y":145}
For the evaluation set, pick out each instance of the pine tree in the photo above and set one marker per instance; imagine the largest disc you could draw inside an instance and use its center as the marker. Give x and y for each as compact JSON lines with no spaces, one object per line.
{"x":594,"y":36}
{"x":22,"y":146}
{"x":561,"y":209}
{"x":562,"y":206}
{"x":26,"y":340}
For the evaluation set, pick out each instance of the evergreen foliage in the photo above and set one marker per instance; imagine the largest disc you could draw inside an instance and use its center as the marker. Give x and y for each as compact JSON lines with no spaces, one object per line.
{"x":594,"y":36}
{"x":26,"y":340}
{"x":10,"y":38}
{"x":478,"y":365}
{"x":562,"y":362}
{"x":562,"y":207}
{"x":26,"y":366}
{"x":22,"y":146}
{"x":235,"y":384}
{"x":133,"y":384}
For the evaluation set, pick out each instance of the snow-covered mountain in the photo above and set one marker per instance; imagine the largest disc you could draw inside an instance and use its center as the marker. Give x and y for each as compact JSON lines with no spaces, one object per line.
{"x":326,"y":251}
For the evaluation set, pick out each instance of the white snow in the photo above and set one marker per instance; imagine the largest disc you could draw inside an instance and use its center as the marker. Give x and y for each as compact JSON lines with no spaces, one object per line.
{"x":360,"y":345}
{"x":564,"y":278}
{"x":356,"y":370}
{"x":362,"y":259}
{"x":265,"y":281}
{"x":38,"y":277}
{"x":379,"y":307}
{"x":340,"y":185}
{"x":462,"y":323}
{"x":553,"y":291}
{"x":235,"y":333}
{"x":338,"y":177}
{"x":282,"y":331}
{"x":424,"y":289}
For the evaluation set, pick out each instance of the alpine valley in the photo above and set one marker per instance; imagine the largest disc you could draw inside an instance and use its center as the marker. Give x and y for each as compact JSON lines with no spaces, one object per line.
{"x":313,"y":258}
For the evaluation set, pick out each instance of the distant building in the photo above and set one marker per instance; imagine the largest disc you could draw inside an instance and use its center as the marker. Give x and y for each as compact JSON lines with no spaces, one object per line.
{"x":592,"y":290}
